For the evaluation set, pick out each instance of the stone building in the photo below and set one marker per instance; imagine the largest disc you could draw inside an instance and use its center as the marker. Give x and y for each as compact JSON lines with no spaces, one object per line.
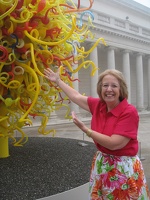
{"x":125,"y":26}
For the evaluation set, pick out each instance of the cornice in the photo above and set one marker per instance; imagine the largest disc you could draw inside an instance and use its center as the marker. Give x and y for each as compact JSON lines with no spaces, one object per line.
{"x":121,"y":28}
{"x":129,"y":4}
{"x":122,"y":34}
{"x":117,"y":29}
{"x":134,"y":6}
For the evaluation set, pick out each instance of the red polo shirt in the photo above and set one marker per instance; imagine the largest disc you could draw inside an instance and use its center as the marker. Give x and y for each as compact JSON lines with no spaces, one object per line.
{"x":122,"y":120}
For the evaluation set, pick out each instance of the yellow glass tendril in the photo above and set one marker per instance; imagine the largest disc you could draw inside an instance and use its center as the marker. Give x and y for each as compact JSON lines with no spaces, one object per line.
{"x":36,"y":35}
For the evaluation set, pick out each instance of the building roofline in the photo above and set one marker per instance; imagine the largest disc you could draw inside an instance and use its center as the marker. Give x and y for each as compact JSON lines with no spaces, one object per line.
{"x":134,"y":5}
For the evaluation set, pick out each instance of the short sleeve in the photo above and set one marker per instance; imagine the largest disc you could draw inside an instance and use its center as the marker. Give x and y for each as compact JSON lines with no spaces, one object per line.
{"x":92,"y":103}
{"x":127,"y":124}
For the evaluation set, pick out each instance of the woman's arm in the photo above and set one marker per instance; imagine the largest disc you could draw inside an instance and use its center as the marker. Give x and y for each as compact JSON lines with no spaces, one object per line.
{"x":72,"y":94}
{"x":113,"y":142}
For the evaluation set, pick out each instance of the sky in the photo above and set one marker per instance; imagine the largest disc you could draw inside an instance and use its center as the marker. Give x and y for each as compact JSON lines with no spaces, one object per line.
{"x":144,"y":2}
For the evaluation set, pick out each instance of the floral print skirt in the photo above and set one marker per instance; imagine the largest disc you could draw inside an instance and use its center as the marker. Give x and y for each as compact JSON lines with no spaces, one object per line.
{"x":117,"y":178}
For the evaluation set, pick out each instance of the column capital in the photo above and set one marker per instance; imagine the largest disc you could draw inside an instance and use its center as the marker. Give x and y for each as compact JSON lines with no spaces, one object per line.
{"x":126,"y":51}
{"x":89,"y":44}
{"x":111,"y":47}
{"x":139,"y":54}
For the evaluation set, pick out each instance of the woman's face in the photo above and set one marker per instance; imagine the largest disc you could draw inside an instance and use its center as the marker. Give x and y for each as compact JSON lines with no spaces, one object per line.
{"x":110,"y":89}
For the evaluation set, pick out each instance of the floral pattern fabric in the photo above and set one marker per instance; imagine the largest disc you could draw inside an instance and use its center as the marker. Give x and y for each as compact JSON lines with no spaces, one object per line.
{"x":117,"y":178}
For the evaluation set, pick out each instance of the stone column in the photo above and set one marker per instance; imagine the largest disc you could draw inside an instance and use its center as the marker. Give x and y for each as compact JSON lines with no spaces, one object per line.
{"x":139,"y":82}
{"x":111,"y":57}
{"x":148,"y":88}
{"x":73,"y":106}
{"x":94,"y":79}
{"x":126,"y":71}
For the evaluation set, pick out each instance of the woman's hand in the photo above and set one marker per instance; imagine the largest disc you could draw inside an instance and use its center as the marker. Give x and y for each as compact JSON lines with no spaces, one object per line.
{"x":52,"y":76}
{"x":79,"y":123}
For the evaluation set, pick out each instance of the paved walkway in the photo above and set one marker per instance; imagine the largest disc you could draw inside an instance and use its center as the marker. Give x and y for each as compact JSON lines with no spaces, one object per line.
{"x":66,"y":129}
{"x":144,"y":139}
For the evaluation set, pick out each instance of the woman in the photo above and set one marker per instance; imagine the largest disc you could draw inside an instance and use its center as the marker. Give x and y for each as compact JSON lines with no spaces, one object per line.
{"x":116,"y":171}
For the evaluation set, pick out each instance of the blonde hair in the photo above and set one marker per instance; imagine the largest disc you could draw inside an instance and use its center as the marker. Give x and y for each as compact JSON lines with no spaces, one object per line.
{"x":117,"y":74}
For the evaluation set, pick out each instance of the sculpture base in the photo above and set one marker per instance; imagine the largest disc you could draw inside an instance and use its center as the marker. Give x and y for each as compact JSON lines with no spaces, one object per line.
{"x":43,"y":167}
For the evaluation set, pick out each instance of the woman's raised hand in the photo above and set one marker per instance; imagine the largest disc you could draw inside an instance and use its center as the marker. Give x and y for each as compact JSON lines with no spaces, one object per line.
{"x":78,"y":122}
{"x":52,"y":76}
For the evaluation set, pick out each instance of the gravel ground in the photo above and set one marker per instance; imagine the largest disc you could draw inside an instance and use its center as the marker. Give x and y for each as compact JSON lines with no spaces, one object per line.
{"x":44,"y":167}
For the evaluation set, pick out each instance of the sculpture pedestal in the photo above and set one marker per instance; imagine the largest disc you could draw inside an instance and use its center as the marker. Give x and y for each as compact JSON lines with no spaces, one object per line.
{"x":44,"y":167}
{"x":4,"y":149}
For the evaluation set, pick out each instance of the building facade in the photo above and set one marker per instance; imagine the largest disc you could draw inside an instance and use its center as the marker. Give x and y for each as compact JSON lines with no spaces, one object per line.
{"x":125,"y":26}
